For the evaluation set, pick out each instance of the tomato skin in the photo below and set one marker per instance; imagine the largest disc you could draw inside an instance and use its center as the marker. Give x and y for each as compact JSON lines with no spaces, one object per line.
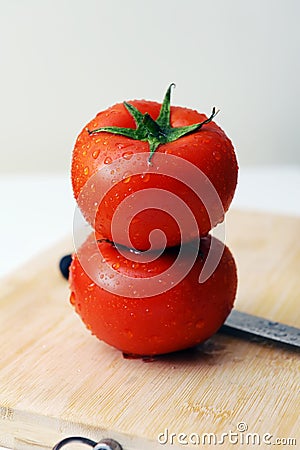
{"x":179,"y":318}
{"x":208,"y":149}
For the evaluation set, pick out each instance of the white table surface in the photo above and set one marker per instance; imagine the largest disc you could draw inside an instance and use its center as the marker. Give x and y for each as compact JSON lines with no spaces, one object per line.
{"x":37,"y":210}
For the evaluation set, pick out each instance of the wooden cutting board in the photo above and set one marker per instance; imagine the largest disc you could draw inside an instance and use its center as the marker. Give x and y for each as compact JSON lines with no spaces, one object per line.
{"x":57,"y":381}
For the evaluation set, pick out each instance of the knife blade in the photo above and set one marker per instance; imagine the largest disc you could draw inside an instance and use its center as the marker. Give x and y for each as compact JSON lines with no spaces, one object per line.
{"x":240,"y":322}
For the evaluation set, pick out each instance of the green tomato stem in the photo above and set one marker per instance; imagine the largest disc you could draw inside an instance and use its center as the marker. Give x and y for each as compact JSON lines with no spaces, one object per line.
{"x":155,"y":132}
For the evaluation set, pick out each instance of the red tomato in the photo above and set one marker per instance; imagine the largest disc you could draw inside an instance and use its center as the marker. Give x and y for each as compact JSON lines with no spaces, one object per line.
{"x":174,"y":319}
{"x":122,"y":175}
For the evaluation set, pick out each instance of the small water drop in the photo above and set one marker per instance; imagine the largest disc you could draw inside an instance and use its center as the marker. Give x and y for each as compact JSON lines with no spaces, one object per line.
{"x":95,"y":154}
{"x":200,"y":324}
{"x":129,"y":334}
{"x":126,"y":177}
{"x":116,"y":265}
{"x":86,"y":171}
{"x":108,"y":160}
{"x":72,"y":298}
{"x":145,"y":177}
{"x":136,"y":252}
{"x":127,"y":155}
{"x":217,"y":155}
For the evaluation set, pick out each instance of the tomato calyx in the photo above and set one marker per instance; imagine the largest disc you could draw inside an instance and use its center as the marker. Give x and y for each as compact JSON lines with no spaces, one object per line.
{"x":155,"y":132}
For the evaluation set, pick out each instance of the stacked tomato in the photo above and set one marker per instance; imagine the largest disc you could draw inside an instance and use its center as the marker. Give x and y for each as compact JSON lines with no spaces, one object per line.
{"x":153,"y":180}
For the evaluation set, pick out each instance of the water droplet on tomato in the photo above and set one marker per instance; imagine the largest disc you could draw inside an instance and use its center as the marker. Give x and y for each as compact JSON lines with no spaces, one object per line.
{"x":129,"y":334}
{"x":72,"y":298}
{"x":91,"y":286}
{"x":126,"y":177}
{"x":95,"y":154}
{"x":127,"y":155}
{"x":200,"y":324}
{"x":145,"y":177}
{"x":217,"y":155}
{"x":108,"y":160}
{"x":136,"y":252}
{"x":116,"y":265}
{"x":84,"y":153}
{"x":86,"y":171}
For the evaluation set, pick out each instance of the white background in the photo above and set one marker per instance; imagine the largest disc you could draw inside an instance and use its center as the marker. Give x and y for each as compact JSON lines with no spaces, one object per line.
{"x":64,"y":60}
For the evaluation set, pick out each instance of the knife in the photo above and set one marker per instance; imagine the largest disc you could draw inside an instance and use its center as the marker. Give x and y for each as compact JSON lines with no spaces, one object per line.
{"x":242,"y":323}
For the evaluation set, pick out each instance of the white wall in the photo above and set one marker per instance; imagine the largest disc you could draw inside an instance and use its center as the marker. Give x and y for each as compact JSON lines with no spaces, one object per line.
{"x":64,"y":60}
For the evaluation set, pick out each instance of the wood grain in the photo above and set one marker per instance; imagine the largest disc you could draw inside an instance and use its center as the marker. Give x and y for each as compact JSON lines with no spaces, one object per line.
{"x":56,"y":380}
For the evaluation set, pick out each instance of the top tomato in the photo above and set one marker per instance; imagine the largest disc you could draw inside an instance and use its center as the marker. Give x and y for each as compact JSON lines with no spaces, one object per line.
{"x":141,"y":166}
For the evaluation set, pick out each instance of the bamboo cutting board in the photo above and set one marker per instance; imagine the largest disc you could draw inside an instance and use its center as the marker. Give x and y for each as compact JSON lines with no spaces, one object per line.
{"x":57,"y":381}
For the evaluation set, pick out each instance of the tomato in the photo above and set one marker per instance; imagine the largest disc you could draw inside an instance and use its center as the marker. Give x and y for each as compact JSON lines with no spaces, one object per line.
{"x":133,"y":153}
{"x":174,"y":318}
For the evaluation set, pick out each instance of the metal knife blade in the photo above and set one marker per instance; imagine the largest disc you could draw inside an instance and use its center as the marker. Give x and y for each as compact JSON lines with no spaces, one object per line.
{"x":240,"y":322}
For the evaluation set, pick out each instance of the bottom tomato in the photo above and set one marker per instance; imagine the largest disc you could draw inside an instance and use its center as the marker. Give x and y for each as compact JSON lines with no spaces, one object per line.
{"x":180,"y":317}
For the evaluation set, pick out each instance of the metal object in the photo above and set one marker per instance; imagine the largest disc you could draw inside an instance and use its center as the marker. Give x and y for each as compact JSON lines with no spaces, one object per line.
{"x":108,"y":444}
{"x":240,"y":322}
{"x":104,"y":444}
